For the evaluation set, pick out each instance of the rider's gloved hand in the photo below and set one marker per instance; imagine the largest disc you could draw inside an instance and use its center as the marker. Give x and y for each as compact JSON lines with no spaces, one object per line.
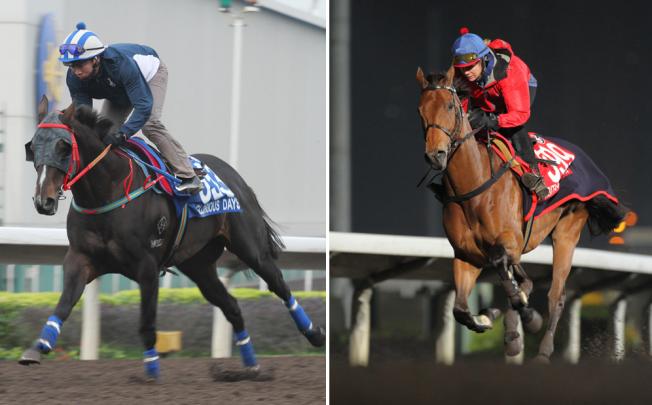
{"x":480,"y":118}
{"x":115,"y":138}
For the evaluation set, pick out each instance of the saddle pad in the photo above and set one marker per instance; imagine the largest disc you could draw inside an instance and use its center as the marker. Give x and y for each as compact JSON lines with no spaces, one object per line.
{"x":214,"y":198}
{"x":582,"y":180}
{"x":552,"y":174}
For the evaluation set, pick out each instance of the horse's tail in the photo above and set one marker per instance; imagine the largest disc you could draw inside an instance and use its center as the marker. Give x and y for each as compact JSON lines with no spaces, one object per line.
{"x":274,"y":241}
{"x":604,"y":214}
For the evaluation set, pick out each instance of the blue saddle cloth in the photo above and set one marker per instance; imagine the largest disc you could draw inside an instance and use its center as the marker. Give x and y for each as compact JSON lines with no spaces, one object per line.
{"x":214,"y":198}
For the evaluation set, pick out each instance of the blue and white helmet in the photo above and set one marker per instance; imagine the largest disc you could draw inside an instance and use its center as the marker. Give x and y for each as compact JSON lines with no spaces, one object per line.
{"x":81,"y":44}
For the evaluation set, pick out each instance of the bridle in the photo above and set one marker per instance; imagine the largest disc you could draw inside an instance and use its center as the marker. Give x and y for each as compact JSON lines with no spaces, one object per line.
{"x":453,"y":146}
{"x":453,"y":135}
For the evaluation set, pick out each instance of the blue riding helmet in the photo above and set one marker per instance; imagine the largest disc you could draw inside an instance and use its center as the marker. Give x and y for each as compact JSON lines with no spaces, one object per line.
{"x":468,"y":49}
{"x":81,"y":44}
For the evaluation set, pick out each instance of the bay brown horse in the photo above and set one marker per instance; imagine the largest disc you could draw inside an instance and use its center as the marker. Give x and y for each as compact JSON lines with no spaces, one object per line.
{"x":136,"y":233}
{"x":483,"y":218}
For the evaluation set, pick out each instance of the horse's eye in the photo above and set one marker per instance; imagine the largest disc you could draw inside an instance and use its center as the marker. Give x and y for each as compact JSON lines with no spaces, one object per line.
{"x":450,"y":106}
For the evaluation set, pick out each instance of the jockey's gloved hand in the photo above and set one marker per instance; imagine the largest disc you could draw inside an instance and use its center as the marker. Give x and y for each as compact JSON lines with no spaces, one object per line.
{"x":115,"y":138}
{"x":480,"y":118}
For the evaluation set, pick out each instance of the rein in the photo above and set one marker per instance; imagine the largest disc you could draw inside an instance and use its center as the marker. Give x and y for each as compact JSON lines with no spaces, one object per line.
{"x":75,"y":159}
{"x":454,"y":145}
{"x":73,"y":175}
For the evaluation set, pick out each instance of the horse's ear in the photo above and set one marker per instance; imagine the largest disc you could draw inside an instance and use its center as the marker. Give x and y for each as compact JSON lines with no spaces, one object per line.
{"x":68,"y":114}
{"x":43,"y":108}
{"x":450,"y":75}
{"x":421,"y":78}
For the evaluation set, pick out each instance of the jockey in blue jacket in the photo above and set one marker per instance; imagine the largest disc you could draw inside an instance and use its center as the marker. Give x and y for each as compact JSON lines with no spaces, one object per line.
{"x":132,"y":79}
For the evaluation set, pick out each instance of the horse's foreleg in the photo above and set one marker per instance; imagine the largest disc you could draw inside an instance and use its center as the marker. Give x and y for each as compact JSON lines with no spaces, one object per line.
{"x":465,"y":276}
{"x":77,"y":273}
{"x":147,"y":276}
{"x":564,"y":239}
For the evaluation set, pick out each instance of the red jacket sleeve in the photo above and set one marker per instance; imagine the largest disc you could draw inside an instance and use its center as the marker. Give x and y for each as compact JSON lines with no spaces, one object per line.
{"x":516,"y":95}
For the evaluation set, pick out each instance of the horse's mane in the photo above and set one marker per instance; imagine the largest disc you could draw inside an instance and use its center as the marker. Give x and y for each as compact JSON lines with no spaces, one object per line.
{"x":86,"y":116}
{"x":460,"y":84}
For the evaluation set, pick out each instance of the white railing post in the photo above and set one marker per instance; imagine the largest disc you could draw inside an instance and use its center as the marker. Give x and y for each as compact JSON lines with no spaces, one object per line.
{"x":361,"y":328}
{"x":222,"y":336}
{"x":445,"y":343}
{"x":619,"y":314}
{"x":90,"y":333}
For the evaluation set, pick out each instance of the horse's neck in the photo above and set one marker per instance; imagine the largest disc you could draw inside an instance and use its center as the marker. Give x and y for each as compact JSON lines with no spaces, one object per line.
{"x":98,"y":186}
{"x":468,"y":168}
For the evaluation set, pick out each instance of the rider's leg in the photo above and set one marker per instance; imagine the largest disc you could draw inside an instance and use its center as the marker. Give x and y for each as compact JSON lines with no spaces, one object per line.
{"x":170,"y":148}
{"x":525,"y":148}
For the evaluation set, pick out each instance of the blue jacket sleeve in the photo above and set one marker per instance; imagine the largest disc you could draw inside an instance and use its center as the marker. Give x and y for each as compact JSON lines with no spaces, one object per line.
{"x":77,"y":93}
{"x":139,"y":94}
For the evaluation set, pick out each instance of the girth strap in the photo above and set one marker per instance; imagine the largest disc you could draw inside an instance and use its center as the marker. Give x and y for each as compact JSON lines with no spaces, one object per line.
{"x":461,"y":198}
{"x":181,"y":231}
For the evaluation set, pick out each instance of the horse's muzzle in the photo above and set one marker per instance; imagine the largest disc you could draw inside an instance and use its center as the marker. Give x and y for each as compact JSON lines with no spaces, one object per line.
{"x":46,"y":207}
{"x":437,"y":159}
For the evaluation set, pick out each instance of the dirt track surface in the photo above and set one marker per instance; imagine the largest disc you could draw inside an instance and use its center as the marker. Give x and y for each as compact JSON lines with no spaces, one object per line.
{"x":295,"y":380}
{"x":491,"y":383}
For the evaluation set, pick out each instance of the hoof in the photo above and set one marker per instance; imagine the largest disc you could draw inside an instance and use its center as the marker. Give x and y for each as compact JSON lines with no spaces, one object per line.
{"x":491,"y":313}
{"x":30,"y":356}
{"x":481,"y":323}
{"x":316,"y":336}
{"x":535,"y":322}
{"x":513,"y":344}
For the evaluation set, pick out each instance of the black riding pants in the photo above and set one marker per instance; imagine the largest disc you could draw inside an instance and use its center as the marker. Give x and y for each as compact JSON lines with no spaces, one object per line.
{"x":520,"y":139}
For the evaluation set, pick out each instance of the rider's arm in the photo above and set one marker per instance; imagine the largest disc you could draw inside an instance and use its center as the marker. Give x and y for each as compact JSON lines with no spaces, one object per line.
{"x":77,"y":93}
{"x":516,"y":95}
{"x":139,"y":94}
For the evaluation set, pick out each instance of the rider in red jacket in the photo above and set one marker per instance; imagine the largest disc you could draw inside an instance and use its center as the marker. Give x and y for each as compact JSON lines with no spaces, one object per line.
{"x":502,"y":90}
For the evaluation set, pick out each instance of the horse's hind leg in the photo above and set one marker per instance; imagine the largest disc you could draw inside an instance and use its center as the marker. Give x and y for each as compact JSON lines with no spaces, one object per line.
{"x":255,"y":250}
{"x":564,"y":239}
{"x":77,"y":273}
{"x":201,"y":269}
{"x":465,"y":276}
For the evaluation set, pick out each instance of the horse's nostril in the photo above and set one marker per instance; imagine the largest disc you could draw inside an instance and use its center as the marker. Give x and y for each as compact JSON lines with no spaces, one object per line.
{"x":441,"y":154}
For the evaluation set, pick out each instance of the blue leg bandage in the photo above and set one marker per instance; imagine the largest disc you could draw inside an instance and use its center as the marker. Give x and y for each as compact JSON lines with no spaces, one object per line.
{"x":243,"y":341}
{"x":299,"y":315}
{"x":152,"y":365}
{"x":49,"y":334}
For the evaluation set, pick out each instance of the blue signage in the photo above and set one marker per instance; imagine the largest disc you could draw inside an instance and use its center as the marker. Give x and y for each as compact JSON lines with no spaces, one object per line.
{"x":48,"y":68}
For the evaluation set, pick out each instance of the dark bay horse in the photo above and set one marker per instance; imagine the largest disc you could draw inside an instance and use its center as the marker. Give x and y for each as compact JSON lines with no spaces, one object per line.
{"x":485,"y":228}
{"x":67,"y":151}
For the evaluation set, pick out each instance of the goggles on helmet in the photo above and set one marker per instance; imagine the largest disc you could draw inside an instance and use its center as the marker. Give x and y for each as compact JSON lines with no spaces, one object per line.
{"x":466,"y":58}
{"x":75,"y":49}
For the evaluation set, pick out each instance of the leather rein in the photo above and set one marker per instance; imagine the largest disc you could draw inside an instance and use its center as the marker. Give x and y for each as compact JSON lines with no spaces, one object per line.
{"x":456,"y":142}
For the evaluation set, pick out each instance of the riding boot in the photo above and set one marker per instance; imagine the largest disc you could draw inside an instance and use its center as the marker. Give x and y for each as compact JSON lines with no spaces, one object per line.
{"x":534,"y":182}
{"x":525,"y":148}
{"x":191,"y":186}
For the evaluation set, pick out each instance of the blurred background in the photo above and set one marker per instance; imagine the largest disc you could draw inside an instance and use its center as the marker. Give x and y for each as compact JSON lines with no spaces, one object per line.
{"x":592,"y":65}
{"x":247,"y":83}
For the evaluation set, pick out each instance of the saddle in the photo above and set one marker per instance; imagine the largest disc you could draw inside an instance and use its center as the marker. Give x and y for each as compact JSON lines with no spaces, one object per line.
{"x":553,"y":160}
{"x":158,"y":163}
